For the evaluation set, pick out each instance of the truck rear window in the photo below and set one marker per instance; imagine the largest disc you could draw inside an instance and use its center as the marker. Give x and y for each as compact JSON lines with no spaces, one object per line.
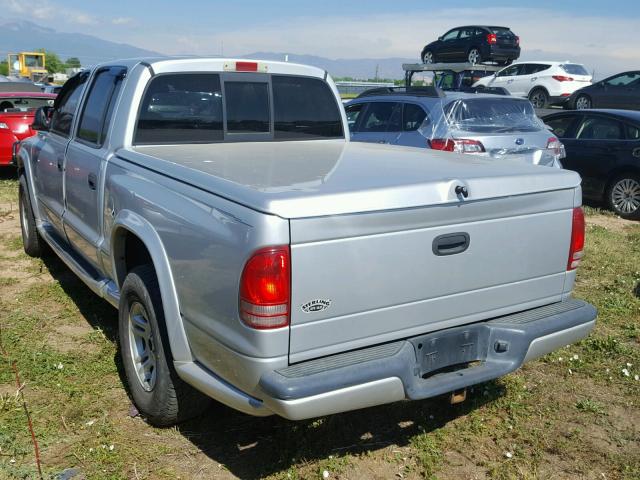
{"x":189,"y":108}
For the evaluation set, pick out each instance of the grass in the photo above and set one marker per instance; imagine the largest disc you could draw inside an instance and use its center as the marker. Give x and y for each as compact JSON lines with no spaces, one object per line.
{"x":574,"y":413}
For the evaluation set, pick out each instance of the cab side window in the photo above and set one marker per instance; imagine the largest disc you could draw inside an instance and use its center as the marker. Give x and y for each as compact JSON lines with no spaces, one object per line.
{"x":67,"y":103}
{"x":353,"y":112}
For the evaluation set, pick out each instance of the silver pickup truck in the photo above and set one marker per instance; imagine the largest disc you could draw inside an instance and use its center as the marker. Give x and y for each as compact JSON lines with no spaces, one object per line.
{"x":259,"y":258}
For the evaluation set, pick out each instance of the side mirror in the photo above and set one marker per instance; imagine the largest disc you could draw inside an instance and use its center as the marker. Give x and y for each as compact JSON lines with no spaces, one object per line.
{"x":42,"y":119}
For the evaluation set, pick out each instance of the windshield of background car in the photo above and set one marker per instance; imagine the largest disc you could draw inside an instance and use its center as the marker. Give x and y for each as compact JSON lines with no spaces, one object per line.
{"x":23,"y":104}
{"x":189,"y":108}
{"x":492,"y":115}
{"x":574,"y":69}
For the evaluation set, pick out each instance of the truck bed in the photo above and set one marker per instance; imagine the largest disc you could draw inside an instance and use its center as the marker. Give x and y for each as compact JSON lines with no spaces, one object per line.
{"x":331,"y":177}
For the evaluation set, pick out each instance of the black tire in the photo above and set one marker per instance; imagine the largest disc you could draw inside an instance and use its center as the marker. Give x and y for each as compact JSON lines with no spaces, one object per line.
{"x":474,"y":57}
{"x":582,"y":102}
{"x":167,"y":400}
{"x":426,"y":55}
{"x":539,"y":98}
{"x":623,"y":196}
{"x":31,"y":241}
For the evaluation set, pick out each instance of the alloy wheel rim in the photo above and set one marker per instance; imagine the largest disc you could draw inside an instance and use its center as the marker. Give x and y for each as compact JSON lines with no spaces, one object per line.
{"x":625,"y":196}
{"x":23,"y":220}
{"x":474,"y":56}
{"x":428,"y":57}
{"x":537,"y":100}
{"x":582,"y":103}
{"x":142,"y":346}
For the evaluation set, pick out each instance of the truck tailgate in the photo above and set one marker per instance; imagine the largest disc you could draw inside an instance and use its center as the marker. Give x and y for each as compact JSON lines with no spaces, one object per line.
{"x":368,"y":278}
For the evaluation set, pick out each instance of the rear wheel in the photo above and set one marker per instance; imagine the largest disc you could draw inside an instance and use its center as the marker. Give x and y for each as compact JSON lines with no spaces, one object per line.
{"x":474,"y":56}
{"x":157,"y":391}
{"x":583,"y":102}
{"x":623,"y":196}
{"x":31,"y":240}
{"x":428,"y":57}
{"x":539,"y":98}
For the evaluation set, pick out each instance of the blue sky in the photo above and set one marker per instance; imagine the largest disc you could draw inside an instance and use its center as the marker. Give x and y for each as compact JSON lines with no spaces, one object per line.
{"x":598,"y":33}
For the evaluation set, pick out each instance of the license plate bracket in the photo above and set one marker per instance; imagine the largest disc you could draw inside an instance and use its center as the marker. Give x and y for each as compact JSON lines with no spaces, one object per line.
{"x":439,"y":350}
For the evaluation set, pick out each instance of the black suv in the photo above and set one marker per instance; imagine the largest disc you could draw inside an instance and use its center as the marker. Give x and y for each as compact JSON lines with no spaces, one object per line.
{"x":474,"y":44}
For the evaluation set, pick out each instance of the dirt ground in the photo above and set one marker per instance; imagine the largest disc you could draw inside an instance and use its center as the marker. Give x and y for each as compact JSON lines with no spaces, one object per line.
{"x":572,"y":415}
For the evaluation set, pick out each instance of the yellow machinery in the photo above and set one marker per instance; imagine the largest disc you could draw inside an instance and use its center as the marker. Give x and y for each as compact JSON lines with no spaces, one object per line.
{"x":29,"y":65}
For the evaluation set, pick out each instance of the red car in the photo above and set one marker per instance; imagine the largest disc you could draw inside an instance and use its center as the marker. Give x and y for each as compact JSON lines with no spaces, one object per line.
{"x":16,"y":116}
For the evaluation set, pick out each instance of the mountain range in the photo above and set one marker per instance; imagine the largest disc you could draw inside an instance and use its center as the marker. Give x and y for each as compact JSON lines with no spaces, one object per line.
{"x":16,"y":36}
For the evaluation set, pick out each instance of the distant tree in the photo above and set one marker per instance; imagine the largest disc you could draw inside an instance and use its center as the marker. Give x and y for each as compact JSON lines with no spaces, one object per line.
{"x":52,"y":61}
{"x":4,"y":68}
{"x":73,"y":62}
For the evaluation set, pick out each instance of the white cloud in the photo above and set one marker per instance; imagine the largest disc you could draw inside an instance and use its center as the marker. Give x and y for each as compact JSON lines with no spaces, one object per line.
{"x":605,"y":41}
{"x":48,"y":11}
{"x":122,"y":21}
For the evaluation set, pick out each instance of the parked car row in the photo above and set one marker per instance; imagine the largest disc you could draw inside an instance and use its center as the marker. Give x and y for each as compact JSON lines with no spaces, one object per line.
{"x":487,"y":125}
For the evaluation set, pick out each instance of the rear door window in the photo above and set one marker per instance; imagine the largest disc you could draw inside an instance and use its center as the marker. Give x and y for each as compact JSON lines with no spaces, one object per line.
{"x":247,"y":105}
{"x":181,"y":108}
{"x":600,"y":128}
{"x":304,"y":108}
{"x":381,"y":117}
{"x":98,"y":107}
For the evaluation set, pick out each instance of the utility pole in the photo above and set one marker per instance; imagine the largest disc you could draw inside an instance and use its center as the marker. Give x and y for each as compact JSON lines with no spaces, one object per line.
{"x":377,"y":69}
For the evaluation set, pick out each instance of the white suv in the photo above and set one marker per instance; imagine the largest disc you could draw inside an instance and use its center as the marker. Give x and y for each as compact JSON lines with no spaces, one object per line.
{"x":544,"y":83}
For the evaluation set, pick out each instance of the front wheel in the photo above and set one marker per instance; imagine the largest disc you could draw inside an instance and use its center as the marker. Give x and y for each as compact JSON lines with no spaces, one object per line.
{"x":474,"y":57}
{"x":157,"y":391}
{"x":31,"y":240}
{"x":539,"y":98}
{"x":583,"y":102}
{"x":623,"y":196}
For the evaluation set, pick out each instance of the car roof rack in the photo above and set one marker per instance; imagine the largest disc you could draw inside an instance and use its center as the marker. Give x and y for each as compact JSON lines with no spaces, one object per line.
{"x":433,"y":92}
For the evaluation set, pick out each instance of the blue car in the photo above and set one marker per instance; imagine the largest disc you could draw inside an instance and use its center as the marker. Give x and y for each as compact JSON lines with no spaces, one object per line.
{"x":494,"y":126}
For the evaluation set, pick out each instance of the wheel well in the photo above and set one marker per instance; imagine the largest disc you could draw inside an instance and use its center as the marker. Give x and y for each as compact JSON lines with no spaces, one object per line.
{"x":130,"y":252}
{"x":616,"y":173}
{"x":538,"y":87}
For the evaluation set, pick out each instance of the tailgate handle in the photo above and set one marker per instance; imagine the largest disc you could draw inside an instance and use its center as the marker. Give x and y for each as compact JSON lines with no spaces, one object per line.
{"x":451,"y":243}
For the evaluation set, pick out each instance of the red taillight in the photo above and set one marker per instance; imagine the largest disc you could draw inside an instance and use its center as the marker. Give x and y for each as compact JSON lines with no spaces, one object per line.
{"x":577,"y":239}
{"x":246,"y":66}
{"x":562,"y":78}
{"x":463,"y":145}
{"x":492,"y":38}
{"x":517,"y":40}
{"x":265,"y":289}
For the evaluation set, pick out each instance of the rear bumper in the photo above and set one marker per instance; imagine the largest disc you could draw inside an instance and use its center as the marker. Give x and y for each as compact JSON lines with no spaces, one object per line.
{"x":414,"y":368}
{"x":559,"y":100}
{"x":501,"y":53}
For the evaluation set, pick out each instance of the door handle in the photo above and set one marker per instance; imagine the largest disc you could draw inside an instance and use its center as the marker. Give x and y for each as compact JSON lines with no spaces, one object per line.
{"x":382,"y":141}
{"x":450,"y":244}
{"x":60,"y":161}
{"x":92,"y":180}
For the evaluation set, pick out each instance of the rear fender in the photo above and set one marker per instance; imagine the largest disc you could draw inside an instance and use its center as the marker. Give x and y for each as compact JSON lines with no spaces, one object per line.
{"x":130,"y":222}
